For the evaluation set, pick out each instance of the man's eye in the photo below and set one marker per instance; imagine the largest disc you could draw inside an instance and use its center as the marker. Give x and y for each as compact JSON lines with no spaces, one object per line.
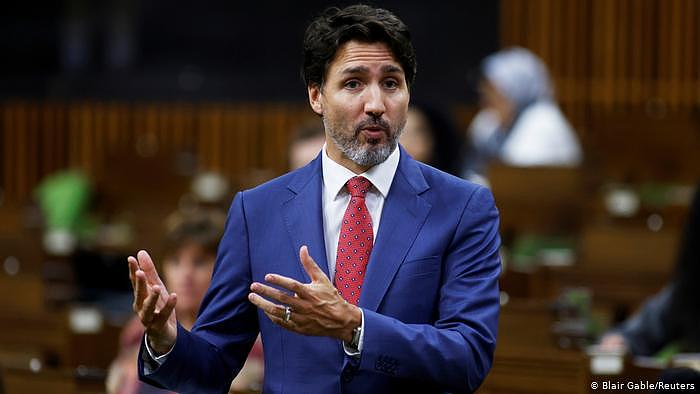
{"x":352,"y":84}
{"x":391,"y":84}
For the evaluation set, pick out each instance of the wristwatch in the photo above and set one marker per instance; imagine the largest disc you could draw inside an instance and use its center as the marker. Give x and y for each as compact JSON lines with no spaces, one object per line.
{"x":356,"y":334}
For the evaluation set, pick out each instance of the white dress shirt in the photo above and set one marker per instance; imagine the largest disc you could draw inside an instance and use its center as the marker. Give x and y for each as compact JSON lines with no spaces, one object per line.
{"x":336,"y":198}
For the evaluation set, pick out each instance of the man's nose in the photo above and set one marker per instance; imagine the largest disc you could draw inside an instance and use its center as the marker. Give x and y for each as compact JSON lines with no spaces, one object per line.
{"x":374,"y":104}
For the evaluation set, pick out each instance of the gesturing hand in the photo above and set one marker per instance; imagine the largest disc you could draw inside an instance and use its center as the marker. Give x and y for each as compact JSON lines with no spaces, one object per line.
{"x":152,"y":303}
{"x":317,"y":308}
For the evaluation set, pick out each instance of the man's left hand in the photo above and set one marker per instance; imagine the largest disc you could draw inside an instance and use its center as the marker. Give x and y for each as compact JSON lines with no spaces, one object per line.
{"x":317,"y":308}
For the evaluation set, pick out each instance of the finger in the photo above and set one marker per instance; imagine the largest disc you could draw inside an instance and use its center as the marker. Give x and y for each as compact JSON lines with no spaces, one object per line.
{"x":292,"y":324}
{"x":164,"y":314}
{"x":149,"y":306}
{"x":147,"y":266}
{"x":268,"y":307}
{"x":277,"y":320}
{"x":286,"y":283}
{"x":278,"y":295}
{"x":280,"y":321}
{"x":140,"y":290}
{"x":133,"y":266}
{"x":315,"y":272}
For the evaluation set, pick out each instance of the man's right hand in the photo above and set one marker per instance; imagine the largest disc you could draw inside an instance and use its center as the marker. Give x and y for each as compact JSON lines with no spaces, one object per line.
{"x":152,"y":303}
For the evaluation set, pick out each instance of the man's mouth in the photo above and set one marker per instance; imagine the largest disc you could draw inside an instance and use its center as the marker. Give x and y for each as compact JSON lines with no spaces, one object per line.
{"x":373,"y":133}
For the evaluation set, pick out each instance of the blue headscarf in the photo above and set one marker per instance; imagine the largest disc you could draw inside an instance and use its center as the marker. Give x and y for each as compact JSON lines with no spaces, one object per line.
{"x":519,"y":75}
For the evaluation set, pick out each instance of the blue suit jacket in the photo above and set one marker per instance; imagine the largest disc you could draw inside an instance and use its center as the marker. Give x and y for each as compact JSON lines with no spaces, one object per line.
{"x":430,"y":296}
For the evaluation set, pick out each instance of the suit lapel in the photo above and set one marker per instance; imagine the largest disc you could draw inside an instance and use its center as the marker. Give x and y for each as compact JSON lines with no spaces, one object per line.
{"x":303,"y":215}
{"x":402,"y":217}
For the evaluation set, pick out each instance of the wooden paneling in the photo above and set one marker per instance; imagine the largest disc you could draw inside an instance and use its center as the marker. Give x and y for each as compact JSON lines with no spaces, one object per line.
{"x":541,"y":200}
{"x":635,"y":60}
{"x":24,"y":381}
{"x":38,"y":138}
{"x":628,"y":249}
{"x":645,"y":145}
{"x":45,"y":334}
{"x":526,"y":358}
{"x":612,"y":53}
{"x":537,"y":371}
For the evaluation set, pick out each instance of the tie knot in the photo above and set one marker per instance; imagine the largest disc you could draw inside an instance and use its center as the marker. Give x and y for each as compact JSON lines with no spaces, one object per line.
{"x":358,"y":186}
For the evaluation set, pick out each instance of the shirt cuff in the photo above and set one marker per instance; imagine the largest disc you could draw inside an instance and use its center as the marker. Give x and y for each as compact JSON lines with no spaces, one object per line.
{"x":161,"y":359}
{"x":349,"y":350}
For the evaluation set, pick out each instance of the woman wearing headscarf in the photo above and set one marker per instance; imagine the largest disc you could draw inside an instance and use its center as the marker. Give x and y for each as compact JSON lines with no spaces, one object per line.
{"x":519,"y":124}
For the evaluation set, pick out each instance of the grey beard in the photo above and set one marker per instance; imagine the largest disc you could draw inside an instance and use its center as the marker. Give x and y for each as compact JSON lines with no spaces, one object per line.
{"x":351,"y":147}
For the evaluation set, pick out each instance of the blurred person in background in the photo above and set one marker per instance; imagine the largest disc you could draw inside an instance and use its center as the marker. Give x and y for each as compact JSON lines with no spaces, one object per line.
{"x":519,"y":123}
{"x":190,"y":247}
{"x":671,"y":318}
{"x":430,"y":137}
{"x":306,"y":142}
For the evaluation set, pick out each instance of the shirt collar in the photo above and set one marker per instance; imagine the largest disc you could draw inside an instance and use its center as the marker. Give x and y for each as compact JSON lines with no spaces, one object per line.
{"x":335,"y":176}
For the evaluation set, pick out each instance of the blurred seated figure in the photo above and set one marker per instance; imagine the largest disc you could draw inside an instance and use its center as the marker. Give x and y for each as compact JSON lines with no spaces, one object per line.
{"x":429,"y":136}
{"x":519,"y":123}
{"x":671,"y":318}
{"x":306,"y":143}
{"x":189,"y":254}
{"x":64,"y":198}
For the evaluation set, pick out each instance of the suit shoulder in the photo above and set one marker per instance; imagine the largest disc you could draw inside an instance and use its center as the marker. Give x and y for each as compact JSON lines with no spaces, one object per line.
{"x":442,"y":181}
{"x":272,"y":185}
{"x":449,"y":189}
{"x":277,"y":188}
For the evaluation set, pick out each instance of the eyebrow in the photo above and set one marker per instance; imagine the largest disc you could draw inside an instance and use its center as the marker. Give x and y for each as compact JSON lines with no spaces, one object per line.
{"x":387,"y":69}
{"x":391,"y":69}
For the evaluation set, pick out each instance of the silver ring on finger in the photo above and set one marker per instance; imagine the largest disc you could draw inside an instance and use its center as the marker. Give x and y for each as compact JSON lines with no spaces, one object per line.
{"x":287,"y":314}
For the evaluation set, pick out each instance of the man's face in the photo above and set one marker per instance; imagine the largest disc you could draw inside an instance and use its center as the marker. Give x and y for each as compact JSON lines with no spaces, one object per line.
{"x":363,"y":104}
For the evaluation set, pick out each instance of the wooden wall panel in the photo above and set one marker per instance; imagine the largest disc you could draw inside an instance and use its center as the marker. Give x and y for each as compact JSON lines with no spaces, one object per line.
{"x":631,"y":50}
{"x":38,"y":138}
{"x":635,"y":60}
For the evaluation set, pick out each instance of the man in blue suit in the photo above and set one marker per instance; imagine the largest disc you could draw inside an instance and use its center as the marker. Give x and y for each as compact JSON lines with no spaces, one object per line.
{"x":365,"y":271}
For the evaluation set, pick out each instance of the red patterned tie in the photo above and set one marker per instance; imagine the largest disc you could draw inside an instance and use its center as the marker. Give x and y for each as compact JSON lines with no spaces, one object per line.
{"x":355,"y":242}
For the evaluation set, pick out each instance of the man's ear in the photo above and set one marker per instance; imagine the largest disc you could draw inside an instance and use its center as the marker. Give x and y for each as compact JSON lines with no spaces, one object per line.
{"x":315,"y":98}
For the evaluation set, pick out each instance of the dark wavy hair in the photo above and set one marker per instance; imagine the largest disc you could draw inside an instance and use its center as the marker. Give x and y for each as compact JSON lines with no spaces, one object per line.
{"x":200,"y":227}
{"x":336,"y":26}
